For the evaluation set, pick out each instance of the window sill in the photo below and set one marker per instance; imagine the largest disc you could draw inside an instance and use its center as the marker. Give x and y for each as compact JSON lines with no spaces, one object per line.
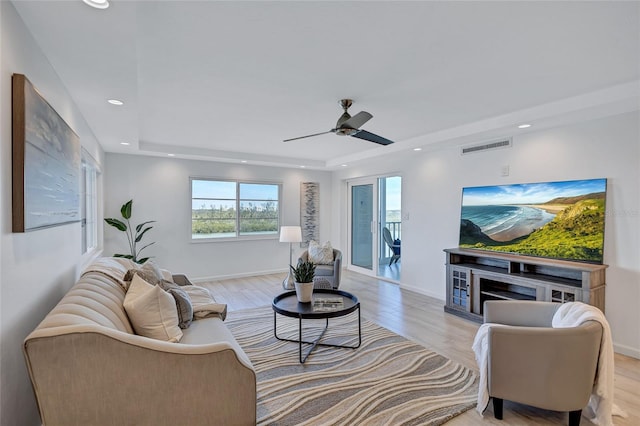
{"x":235,"y":239}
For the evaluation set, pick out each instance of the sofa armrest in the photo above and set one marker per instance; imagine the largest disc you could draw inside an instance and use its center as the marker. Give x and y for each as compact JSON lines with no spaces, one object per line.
{"x":520,"y":313}
{"x":544,"y":367}
{"x":103,"y":376}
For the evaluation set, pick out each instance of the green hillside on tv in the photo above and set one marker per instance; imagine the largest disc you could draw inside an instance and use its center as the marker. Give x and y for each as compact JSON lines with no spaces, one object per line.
{"x":561,"y":220}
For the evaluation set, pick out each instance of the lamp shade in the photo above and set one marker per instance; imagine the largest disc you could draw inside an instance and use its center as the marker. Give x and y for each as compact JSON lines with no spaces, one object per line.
{"x":290,"y":234}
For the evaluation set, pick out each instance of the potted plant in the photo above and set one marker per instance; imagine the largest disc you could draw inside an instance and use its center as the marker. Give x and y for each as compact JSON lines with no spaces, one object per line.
{"x":303,"y":279}
{"x":133,"y":238}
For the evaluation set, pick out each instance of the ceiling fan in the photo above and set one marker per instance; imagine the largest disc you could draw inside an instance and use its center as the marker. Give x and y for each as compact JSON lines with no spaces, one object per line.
{"x":350,"y":126}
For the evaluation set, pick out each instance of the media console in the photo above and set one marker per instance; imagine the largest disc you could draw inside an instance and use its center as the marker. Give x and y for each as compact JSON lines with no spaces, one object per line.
{"x":474,"y":276}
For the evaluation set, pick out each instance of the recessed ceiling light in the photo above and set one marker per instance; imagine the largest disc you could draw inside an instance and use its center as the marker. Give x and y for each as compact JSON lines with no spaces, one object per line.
{"x":302,"y":167}
{"x":343,"y":165}
{"x":243,"y":161}
{"x":171,"y":155}
{"x":524,"y":126}
{"x":115,"y":102}
{"x":125,"y":143}
{"x":98,"y":4}
{"x":417,"y":149}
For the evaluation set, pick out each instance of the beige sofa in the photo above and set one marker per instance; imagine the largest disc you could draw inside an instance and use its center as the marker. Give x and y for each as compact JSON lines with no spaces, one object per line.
{"x":88,"y":367}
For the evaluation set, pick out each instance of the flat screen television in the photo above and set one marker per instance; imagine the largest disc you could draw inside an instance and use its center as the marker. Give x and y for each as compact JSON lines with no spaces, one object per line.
{"x":561,"y":220}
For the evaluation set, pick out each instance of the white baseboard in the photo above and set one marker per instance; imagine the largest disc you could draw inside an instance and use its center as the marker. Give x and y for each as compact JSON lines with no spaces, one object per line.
{"x":626,"y":350}
{"x":240,"y":275}
{"x":422,"y":291}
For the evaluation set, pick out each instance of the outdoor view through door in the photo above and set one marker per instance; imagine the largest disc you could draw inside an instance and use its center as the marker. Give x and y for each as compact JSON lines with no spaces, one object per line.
{"x":375,"y":226}
{"x":390,"y":235}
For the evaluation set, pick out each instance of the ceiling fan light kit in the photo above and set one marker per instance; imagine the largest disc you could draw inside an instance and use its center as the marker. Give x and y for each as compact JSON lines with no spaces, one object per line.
{"x":350,"y":126}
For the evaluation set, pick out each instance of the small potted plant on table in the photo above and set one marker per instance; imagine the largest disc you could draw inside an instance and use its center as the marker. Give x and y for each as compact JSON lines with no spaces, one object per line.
{"x":303,"y":279}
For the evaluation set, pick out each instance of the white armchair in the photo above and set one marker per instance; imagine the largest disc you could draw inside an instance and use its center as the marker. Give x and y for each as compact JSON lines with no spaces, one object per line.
{"x":532,"y":363}
{"x":326,"y":273}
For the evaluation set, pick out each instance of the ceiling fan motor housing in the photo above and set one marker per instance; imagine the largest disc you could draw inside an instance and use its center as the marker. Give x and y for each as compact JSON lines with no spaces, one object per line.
{"x":345,"y":103}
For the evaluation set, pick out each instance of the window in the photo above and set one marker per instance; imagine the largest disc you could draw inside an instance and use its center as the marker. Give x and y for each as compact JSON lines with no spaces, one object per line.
{"x":232,"y":209}
{"x":89,"y":203}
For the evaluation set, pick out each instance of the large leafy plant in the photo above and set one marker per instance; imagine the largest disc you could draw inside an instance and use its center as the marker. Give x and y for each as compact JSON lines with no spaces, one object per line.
{"x":133,"y":238}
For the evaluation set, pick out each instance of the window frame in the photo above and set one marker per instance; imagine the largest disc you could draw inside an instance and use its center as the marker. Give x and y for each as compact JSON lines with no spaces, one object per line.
{"x":89,"y":203}
{"x":238,"y":201}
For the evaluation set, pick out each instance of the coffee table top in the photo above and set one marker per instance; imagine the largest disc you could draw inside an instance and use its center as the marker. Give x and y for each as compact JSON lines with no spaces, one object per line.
{"x":287,"y":304}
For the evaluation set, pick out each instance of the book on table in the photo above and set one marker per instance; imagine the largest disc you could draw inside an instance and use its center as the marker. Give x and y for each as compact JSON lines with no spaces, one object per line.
{"x":327,"y":303}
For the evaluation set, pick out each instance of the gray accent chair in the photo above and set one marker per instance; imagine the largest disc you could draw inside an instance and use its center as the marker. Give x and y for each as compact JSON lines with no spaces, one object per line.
{"x":327,"y":276}
{"x":534,"y":364}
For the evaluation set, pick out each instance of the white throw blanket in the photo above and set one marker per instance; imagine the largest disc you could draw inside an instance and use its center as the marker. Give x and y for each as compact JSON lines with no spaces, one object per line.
{"x":601,"y":401}
{"x":568,"y":315}
{"x":481,"y":349}
{"x":203,"y":302}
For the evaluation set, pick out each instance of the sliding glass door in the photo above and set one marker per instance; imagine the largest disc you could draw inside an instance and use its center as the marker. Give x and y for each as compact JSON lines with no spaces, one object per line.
{"x":374,"y":210}
{"x":362,"y":226}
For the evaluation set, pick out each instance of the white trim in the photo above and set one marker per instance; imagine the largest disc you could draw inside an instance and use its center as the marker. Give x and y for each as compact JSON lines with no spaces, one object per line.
{"x":240,"y":275}
{"x":422,"y":291}
{"x":626,"y":350}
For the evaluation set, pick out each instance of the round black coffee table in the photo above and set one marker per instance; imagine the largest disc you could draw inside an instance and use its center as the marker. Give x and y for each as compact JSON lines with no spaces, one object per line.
{"x":325,"y":304}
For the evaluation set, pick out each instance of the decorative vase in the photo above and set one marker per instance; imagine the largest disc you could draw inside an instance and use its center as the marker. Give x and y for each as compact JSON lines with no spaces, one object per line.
{"x":304,"y":291}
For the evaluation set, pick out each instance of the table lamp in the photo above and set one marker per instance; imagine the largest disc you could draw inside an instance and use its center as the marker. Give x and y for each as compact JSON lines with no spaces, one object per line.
{"x":290,"y":234}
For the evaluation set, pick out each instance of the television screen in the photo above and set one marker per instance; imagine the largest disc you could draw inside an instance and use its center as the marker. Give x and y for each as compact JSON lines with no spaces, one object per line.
{"x":562,"y":220}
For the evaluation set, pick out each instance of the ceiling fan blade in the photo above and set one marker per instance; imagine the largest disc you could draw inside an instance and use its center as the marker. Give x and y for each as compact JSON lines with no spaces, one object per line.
{"x":357,"y":120}
{"x":308,"y":136}
{"x":368,"y":136}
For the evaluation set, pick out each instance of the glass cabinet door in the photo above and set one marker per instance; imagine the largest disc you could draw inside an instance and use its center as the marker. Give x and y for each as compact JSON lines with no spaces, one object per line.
{"x":460,"y":289}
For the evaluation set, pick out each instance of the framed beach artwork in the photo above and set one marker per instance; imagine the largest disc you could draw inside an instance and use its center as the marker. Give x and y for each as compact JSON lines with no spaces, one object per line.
{"x":560,"y":220}
{"x":46,"y":162}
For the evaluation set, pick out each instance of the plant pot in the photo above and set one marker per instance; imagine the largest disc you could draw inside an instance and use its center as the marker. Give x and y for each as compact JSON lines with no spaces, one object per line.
{"x":304,"y":291}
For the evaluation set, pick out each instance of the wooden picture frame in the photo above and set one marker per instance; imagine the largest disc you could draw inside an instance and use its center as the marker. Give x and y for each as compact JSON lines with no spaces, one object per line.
{"x":46,"y":162}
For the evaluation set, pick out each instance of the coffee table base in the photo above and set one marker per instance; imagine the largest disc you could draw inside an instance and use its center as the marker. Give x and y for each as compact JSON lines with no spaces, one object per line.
{"x":316,"y":342}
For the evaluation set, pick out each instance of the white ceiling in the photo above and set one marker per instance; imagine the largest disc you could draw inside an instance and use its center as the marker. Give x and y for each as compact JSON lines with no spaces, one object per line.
{"x":231,"y":80}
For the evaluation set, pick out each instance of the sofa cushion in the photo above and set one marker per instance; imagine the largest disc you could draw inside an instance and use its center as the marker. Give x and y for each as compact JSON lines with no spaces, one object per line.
{"x":183,"y":302}
{"x":320,"y":254}
{"x":152,"y":311}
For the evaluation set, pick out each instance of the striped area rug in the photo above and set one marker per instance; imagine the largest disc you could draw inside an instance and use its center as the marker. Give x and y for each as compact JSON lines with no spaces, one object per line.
{"x":389,"y":380}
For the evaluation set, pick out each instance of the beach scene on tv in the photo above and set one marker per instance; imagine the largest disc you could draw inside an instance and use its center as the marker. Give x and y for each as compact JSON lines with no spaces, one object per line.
{"x":562,"y":220}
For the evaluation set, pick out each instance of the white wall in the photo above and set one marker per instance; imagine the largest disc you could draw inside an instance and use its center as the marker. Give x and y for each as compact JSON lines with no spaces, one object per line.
{"x":159,"y":187}
{"x":432,"y":183}
{"x":37,"y":267}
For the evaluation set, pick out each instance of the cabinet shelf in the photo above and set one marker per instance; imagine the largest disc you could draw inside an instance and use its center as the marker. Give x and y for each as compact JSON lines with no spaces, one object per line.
{"x":507,"y":295}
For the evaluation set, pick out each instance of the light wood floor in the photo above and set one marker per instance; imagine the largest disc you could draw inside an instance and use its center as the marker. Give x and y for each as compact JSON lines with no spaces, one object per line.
{"x":422,"y":319}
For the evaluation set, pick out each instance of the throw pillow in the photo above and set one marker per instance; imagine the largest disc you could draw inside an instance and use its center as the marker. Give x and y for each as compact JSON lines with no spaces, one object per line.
{"x":152,"y":311}
{"x":320,"y":254}
{"x":149,"y":272}
{"x":183,"y":302}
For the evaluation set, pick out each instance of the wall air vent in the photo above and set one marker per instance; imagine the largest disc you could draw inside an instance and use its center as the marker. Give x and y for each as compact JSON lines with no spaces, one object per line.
{"x":502,"y":143}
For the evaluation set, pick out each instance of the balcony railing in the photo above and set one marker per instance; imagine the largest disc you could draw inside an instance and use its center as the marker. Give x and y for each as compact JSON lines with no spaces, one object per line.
{"x":396,"y":233}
